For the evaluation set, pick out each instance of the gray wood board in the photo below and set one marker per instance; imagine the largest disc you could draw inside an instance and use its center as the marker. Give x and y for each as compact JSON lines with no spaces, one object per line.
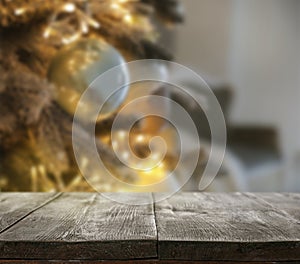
{"x":229,"y":226}
{"x":15,"y":206}
{"x":84,"y":226}
{"x":187,"y":226}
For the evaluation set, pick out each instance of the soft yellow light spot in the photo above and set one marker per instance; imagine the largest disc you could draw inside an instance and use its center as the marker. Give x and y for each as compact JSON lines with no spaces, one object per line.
{"x":161,"y":165}
{"x":20,"y":11}
{"x":156,"y":156}
{"x":69,"y":7}
{"x":115,"y":6}
{"x":84,"y":162}
{"x":125,"y":155}
{"x":47,"y":32}
{"x":152,"y":175}
{"x":84,"y":27}
{"x":140,"y":138}
{"x":128,"y":18}
{"x":121,"y":134}
{"x":115,"y":144}
{"x":33,"y":171}
{"x":94,"y":23}
{"x":70,"y":39}
{"x":42,"y":169}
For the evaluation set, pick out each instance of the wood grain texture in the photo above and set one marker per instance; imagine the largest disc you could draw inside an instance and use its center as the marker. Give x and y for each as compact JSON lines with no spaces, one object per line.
{"x":194,"y":227}
{"x":153,"y":261}
{"x":229,"y":227}
{"x":84,"y":226}
{"x":15,"y":206}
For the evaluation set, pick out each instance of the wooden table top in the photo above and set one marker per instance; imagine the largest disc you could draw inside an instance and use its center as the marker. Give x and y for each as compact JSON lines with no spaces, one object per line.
{"x":261,"y":227}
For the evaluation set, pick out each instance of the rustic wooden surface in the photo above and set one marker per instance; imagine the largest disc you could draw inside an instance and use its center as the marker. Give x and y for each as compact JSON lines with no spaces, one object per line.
{"x":84,"y":226}
{"x":220,"y":226}
{"x":198,"y":227}
{"x":15,"y":206}
{"x":135,"y":262}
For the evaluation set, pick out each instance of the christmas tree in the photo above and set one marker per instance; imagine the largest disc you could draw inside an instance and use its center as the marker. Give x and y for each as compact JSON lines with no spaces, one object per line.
{"x":43,"y":45}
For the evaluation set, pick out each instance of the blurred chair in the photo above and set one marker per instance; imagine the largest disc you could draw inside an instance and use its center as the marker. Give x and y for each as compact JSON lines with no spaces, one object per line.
{"x":252,"y":161}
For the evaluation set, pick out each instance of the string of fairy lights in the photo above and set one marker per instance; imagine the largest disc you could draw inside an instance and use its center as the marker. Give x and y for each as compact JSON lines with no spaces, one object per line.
{"x":68,"y":22}
{"x":74,"y":19}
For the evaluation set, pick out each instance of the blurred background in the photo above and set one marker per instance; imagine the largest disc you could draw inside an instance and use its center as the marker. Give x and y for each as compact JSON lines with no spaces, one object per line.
{"x":248,"y":52}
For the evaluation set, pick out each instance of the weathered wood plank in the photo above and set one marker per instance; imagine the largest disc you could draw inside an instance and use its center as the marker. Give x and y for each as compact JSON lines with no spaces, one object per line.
{"x":16,"y":206}
{"x":84,"y":226}
{"x":233,"y":227}
{"x":286,"y":203}
{"x":191,"y":226}
{"x":153,"y":261}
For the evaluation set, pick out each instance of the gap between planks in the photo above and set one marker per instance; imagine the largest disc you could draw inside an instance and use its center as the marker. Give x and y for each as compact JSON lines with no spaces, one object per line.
{"x":51,"y":199}
{"x":156,"y":220}
{"x":155,"y":223}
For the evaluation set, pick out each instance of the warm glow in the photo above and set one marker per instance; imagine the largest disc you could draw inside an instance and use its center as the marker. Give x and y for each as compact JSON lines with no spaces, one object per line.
{"x":115,"y":6}
{"x":20,"y":11}
{"x":128,"y":18}
{"x":69,"y":7}
{"x":125,"y":155}
{"x":153,"y":175}
{"x":47,"y":32}
{"x":140,"y":138}
{"x":115,"y":144}
{"x":92,"y":22}
{"x":68,"y":40}
{"x":156,"y":156}
{"x":84,"y":27}
{"x":121,"y":134}
{"x":84,"y":162}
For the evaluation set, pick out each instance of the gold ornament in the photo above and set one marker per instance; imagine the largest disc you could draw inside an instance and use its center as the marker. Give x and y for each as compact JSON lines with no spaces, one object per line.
{"x":77,"y":65}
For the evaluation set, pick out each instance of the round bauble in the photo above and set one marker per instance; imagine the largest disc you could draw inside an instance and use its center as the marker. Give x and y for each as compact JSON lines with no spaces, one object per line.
{"x":77,"y":65}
